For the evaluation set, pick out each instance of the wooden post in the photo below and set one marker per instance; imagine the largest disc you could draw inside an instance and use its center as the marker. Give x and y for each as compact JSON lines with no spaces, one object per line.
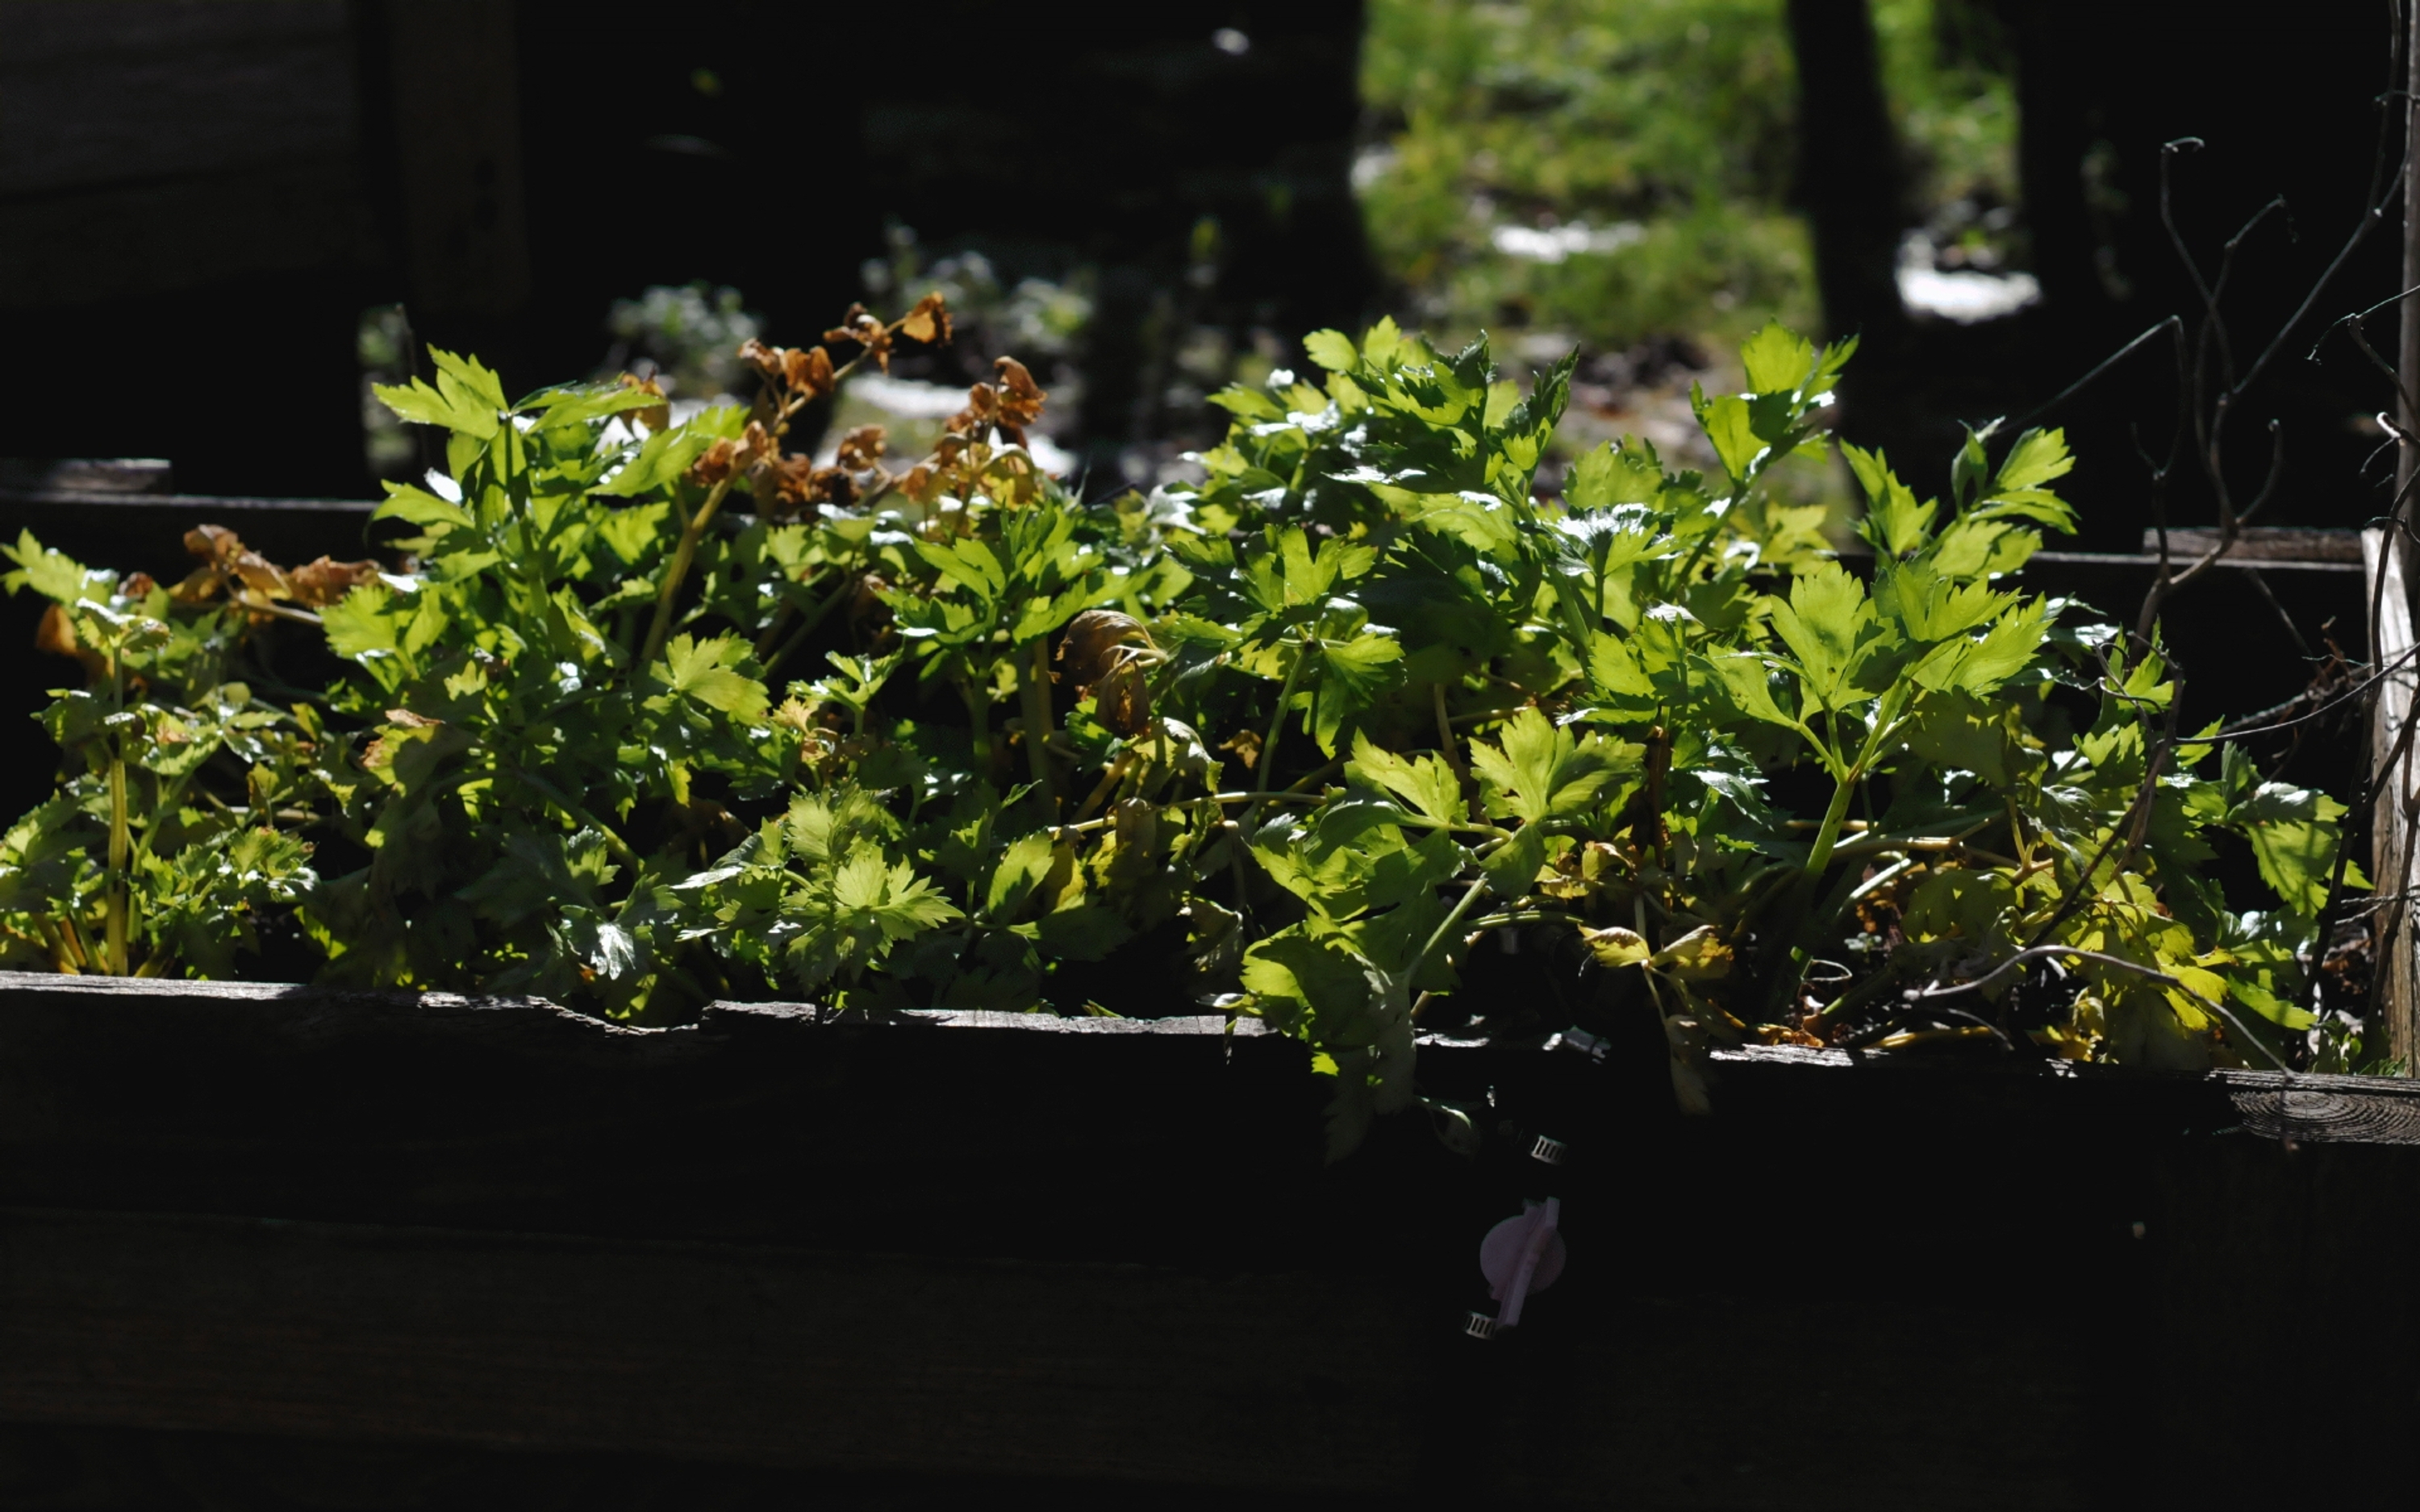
{"x":2390,"y":848}
{"x":457,"y":128}
{"x":2391,"y":637}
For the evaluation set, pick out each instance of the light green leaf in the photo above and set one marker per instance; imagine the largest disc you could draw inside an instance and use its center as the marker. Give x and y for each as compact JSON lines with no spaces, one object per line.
{"x":1087,"y":931}
{"x":1842,"y":645}
{"x":2006,"y":649}
{"x":1019,"y":871}
{"x":888,"y":896}
{"x":360,"y":624}
{"x":1512,"y":867}
{"x":2039,"y":456}
{"x":52,"y":574}
{"x":1608,"y":475}
{"x":422,"y":405}
{"x":1539,"y":771}
{"x":467,"y":377}
{"x":1615,"y":668}
{"x":1380,"y":342}
{"x":1332,"y":350}
{"x":1895,"y":523}
{"x":1425,"y":782}
{"x":2293,"y":835}
{"x":1352,"y":673}
{"x":1746,"y":680}
{"x":1731,"y":428}
{"x":1299,"y":979}
{"x":418,"y":506}
{"x":1778,"y":359}
{"x":703,"y":670}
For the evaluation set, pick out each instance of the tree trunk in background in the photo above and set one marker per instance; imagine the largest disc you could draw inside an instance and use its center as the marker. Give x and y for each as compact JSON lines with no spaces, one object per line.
{"x":1849,"y":178}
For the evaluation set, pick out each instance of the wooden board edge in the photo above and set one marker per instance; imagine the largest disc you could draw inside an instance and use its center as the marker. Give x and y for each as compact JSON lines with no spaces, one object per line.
{"x":2392,"y":642}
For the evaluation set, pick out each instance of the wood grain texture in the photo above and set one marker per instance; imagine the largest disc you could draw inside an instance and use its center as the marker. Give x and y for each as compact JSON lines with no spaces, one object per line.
{"x":2392,"y":646}
{"x":763,"y":1124}
{"x":859,"y":1361}
{"x":453,"y":88}
{"x":99,"y":97}
{"x":2365,"y":1110}
{"x":147,"y":147}
{"x":2261,"y":544}
{"x":1283,"y":1383}
{"x":112,"y":475}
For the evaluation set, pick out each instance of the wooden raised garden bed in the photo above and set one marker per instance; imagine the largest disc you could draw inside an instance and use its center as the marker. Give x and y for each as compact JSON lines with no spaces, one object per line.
{"x":270,"y":1246}
{"x":1106,"y":1256}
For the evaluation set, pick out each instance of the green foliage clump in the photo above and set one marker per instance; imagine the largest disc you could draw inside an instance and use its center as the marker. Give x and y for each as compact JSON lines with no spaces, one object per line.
{"x":1291,"y":741}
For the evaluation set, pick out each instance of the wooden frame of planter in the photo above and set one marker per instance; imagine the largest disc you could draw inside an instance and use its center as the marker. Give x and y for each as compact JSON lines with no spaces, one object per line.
{"x":245,"y":1228}
{"x":1104,"y":1255}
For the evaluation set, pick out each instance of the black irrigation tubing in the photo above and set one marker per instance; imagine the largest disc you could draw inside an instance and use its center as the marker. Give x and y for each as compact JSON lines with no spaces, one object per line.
{"x":2046,"y":952}
{"x":1885,"y":1030}
{"x":2138,"y":813}
{"x":2227,"y":732}
{"x":2351,"y":326}
{"x":2171,"y":324}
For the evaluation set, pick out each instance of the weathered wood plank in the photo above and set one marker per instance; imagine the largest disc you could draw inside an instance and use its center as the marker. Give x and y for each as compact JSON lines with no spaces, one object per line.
{"x":761,"y":1124}
{"x":2363,"y":1110}
{"x":127,"y":530}
{"x":149,"y":147}
{"x":866,"y":1360}
{"x":2392,"y":646}
{"x":98,"y":96}
{"x":2145,"y":563}
{"x":1264,"y":1382}
{"x":1843,"y":1289}
{"x":2262,"y":544}
{"x":87,"y":475}
{"x":452,"y":86}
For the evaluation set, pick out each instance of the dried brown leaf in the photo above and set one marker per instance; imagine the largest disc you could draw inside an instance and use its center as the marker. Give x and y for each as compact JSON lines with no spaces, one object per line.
{"x":928,"y":322}
{"x":861,"y":448}
{"x":323,"y":583}
{"x":1096,"y":642}
{"x":715,"y":466}
{"x":213,"y":543}
{"x":1020,"y":397}
{"x":1122,"y":699}
{"x":808,"y":372}
{"x":261,"y":576}
{"x":769,"y":361}
{"x":659,"y":416}
{"x":859,"y":327}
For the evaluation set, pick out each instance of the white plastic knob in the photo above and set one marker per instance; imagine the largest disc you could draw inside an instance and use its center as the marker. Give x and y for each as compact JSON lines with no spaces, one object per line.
{"x":1521,"y":1255}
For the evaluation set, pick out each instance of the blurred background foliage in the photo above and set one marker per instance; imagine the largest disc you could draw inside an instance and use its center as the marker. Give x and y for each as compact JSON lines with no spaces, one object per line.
{"x":1620,"y":171}
{"x":1149,"y":206}
{"x":1615,"y":175}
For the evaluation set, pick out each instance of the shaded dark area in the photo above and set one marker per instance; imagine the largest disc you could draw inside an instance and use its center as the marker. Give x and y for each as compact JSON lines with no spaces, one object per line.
{"x":2289,"y":122}
{"x":2284,"y":113}
{"x":213,"y":193}
{"x":1844,"y":131}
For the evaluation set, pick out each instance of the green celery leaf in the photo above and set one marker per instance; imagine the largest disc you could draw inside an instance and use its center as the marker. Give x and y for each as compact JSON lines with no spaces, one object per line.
{"x":1332,"y":350}
{"x":1778,"y":359}
{"x":703,"y":670}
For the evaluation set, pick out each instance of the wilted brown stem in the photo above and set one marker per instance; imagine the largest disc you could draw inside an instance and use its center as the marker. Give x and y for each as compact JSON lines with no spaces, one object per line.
{"x":1034,"y":696}
{"x":683,"y":554}
{"x":119,"y":845}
